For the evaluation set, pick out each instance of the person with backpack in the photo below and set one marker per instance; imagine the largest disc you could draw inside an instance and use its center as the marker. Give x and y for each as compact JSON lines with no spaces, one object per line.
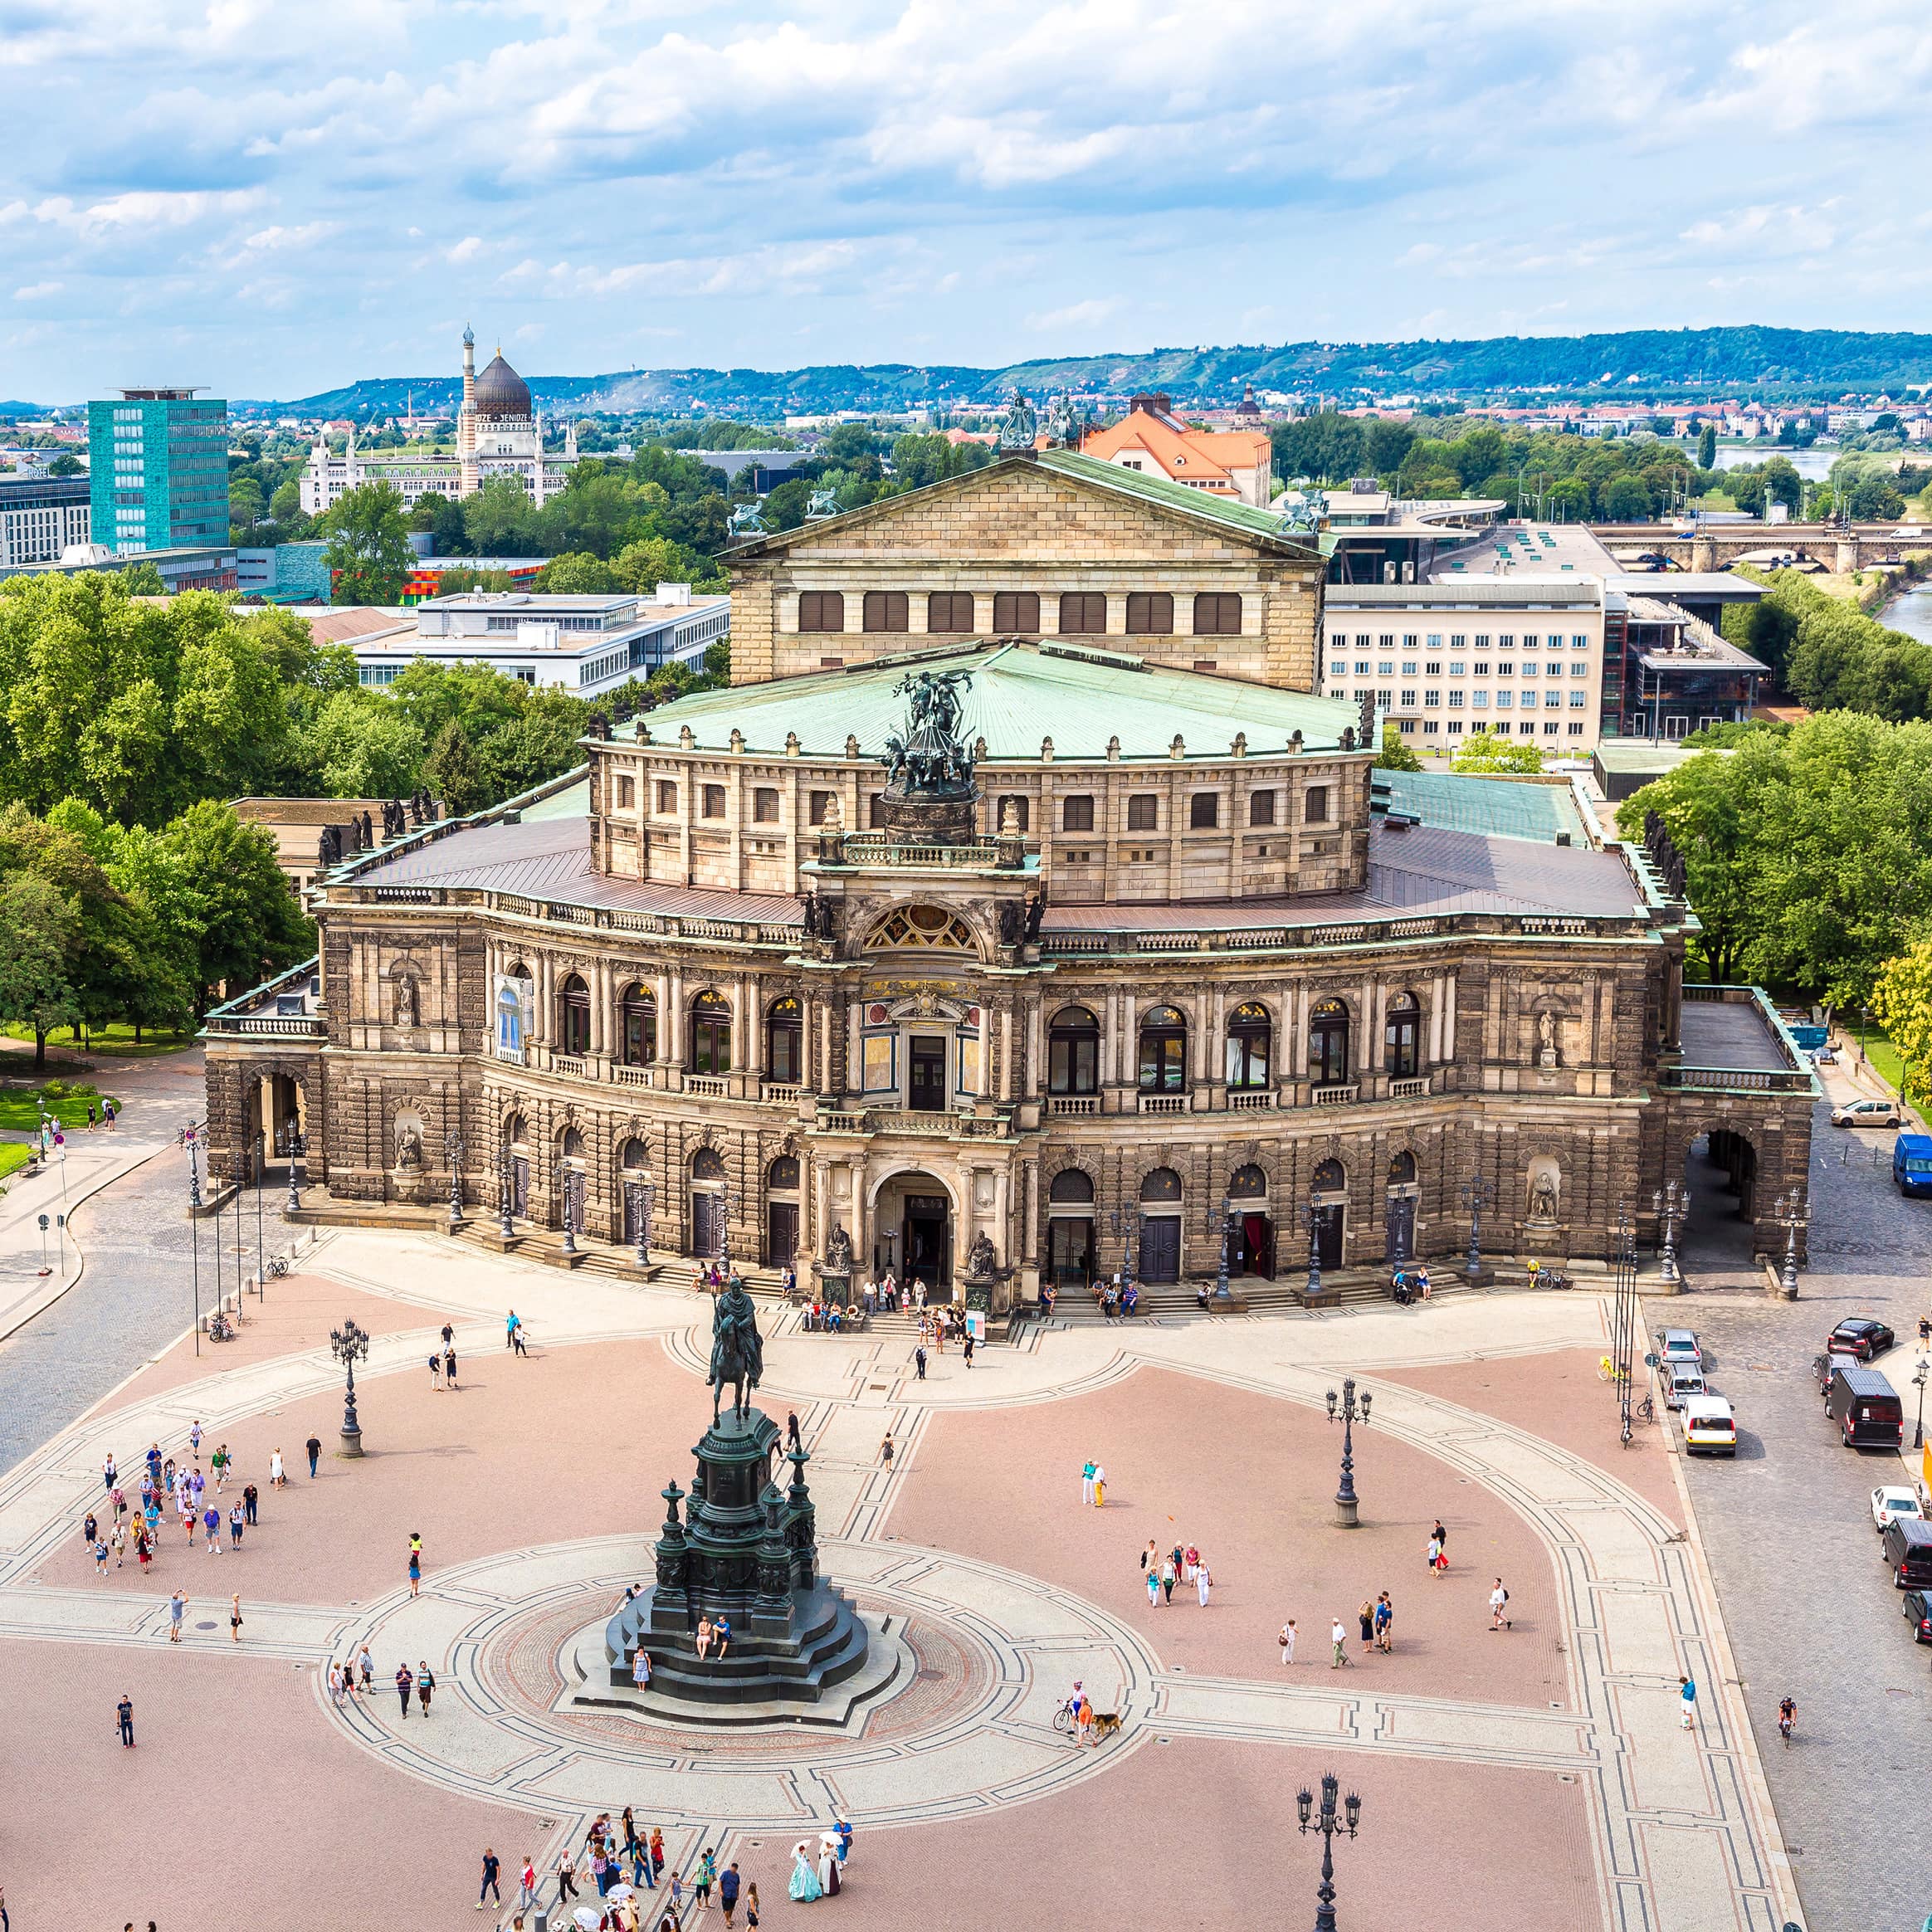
{"x":1498,"y":1606}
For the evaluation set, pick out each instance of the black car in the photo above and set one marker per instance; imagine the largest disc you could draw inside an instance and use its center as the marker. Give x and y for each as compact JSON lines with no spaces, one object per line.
{"x":1859,"y":1337}
{"x":1919,"y":1614}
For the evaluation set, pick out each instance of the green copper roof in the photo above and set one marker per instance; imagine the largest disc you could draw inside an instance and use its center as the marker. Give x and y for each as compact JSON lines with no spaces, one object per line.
{"x":1242,"y":516}
{"x":1458,"y":802}
{"x":1018,"y":696}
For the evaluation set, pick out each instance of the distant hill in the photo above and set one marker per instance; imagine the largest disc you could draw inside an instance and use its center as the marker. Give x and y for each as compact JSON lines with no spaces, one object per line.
{"x":1814,"y":362}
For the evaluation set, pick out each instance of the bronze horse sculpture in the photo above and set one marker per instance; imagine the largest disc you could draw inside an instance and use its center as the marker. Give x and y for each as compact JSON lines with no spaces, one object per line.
{"x":737,"y":1351}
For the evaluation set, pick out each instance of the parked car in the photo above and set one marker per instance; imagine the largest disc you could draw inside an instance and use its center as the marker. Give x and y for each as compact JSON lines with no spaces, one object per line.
{"x":1912,"y":1163}
{"x":1918,"y":1607}
{"x":1867,"y":1114}
{"x":1908,"y":1548}
{"x":1892,"y":1499}
{"x":1710,"y":1427}
{"x":1681,"y":1382}
{"x":1675,"y":1345}
{"x":1866,"y":1409}
{"x":1859,"y":1336}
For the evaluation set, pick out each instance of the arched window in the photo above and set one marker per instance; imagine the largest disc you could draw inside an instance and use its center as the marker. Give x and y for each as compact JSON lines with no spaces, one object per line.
{"x":572,"y":1143}
{"x":919,"y":927}
{"x":1247,"y":1183}
{"x":634,"y":1157}
{"x":1070,"y":1187}
{"x":1073,"y":1052}
{"x":1328,"y":1043}
{"x":1160,"y":1189}
{"x":1401,"y":1170}
{"x":1330,"y":1177}
{"x":1163,"y":1050}
{"x":1250,"y":1036}
{"x":707,"y":1164}
{"x":573,"y":1016}
{"x":785,"y":1040}
{"x":710,"y":1034}
{"x":781,"y":1176}
{"x":515,"y":1131}
{"x":638,"y":1010}
{"x":1402,"y":1037}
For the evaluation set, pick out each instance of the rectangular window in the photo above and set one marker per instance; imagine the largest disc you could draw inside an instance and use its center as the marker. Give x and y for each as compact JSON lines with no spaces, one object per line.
{"x":1505,"y":699}
{"x":820,"y":807}
{"x":1579,"y":668}
{"x":1077,"y":813}
{"x":1408,"y":700}
{"x":1455,"y":701}
{"x":764,"y":806}
{"x":1150,"y":614}
{"x":1579,"y":643}
{"x":1433,"y":667}
{"x":1436,"y":642}
{"x":666,"y":796}
{"x":1430,"y":700}
{"x":626,"y":792}
{"x":1385,"y":667}
{"x":1408,"y":667}
{"x":1387,"y":640}
{"x":1204,"y":810}
{"x":1530,"y":643}
{"x":1529,"y":668}
{"x":1083,"y":613}
{"x":714,"y":802}
{"x":950,"y":612}
{"x":821,"y":610}
{"x":1361,"y":667}
{"x":1479,"y":701}
{"x":1314,"y":805}
{"x":1218,"y":614}
{"x":1579,"y":701}
{"x":1022,"y":811}
{"x":1429,"y":724}
{"x":1015,"y":610}
{"x":1260,"y":808}
{"x":1144,"y":812}
{"x":1505,"y":670}
{"x":1576,"y":730}
{"x":885,"y":610}
{"x":875,"y":811}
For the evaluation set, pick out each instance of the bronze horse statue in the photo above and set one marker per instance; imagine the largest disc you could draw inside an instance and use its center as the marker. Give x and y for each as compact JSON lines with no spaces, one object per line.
{"x":737,"y":1351}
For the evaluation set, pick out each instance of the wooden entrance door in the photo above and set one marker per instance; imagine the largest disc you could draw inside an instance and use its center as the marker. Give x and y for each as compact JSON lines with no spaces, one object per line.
{"x":1327,"y":1233}
{"x":781,"y":1232}
{"x":1160,"y":1248}
{"x":926,"y":1091}
{"x":707,"y":1225}
{"x":519,"y":1185}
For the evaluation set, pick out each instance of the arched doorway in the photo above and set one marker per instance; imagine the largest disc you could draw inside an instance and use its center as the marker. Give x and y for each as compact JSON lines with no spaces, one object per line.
{"x":1328,"y":1193}
{"x":782,"y":1211}
{"x":1398,"y":1211}
{"x":709,"y":1212}
{"x":516,"y":1139}
{"x":1160,"y":1225}
{"x":1721,"y":1172}
{"x":1253,"y":1246}
{"x":1069,"y":1228}
{"x":912,"y":1221}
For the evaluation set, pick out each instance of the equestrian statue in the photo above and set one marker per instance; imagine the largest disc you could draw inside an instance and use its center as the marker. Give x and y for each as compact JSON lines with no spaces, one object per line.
{"x":737,"y":1351}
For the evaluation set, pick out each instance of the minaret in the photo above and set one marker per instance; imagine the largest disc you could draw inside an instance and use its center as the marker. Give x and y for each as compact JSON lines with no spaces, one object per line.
{"x":570,"y":440}
{"x":537,"y":480}
{"x":466,"y":418}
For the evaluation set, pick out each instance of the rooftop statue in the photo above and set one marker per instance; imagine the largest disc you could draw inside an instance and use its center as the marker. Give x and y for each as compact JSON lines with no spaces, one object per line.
{"x":931,"y":757}
{"x":746,"y":522}
{"x":822,"y":503}
{"x":1018,"y":428}
{"x":1063,"y":421}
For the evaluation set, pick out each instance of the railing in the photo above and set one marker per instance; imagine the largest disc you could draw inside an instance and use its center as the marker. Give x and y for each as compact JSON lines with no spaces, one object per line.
{"x":226,"y":1018}
{"x":1341,"y":1096}
{"x":707,"y":1083}
{"x":1241,"y":1102}
{"x":1073,"y":1103}
{"x":570,"y":1064}
{"x":841,"y":1120}
{"x":404,"y":895}
{"x":636,"y":1076}
{"x":869,"y":849}
{"x":1735,"y":1080}
{"x":780,"y":1090}
{"x":1164,"y":1103}
{"x":512,"y":1056}
{"x":1408,"y":1089}
{"x":285,"y":1026}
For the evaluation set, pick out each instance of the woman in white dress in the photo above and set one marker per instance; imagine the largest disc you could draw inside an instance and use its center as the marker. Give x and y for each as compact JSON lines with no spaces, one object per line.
{"x":828,"y":1865}
{"x":275,"y":1478}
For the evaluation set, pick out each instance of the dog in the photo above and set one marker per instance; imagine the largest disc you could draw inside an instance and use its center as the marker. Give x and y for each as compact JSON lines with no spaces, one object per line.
{"x":1106,"y":1721}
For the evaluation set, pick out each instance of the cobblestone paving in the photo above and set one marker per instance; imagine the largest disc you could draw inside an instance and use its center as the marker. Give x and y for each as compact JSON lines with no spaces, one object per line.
{"x":1787,"y":1533}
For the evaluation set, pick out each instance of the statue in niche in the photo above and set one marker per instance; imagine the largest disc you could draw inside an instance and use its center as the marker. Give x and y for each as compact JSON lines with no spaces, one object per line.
{"x":409,"y":1148}
{"x":1543,"y":1196}
{"x":980,"y":1259}
{"x":1546,"y":1032}
{"x":406,"y":1002}
{"x":838,"y":1250}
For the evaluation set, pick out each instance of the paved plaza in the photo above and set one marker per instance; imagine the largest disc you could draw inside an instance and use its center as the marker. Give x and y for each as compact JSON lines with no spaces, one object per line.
{"x":1541,"y":1768}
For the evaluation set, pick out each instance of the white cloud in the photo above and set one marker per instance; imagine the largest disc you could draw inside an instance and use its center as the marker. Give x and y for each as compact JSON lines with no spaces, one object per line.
{"x":38,"y":291}
{"x":1085,"y":314}
{"x":462,"y":250}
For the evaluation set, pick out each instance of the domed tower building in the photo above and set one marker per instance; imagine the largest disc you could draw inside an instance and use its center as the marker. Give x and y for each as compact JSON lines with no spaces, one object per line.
{"x":500,"y":429}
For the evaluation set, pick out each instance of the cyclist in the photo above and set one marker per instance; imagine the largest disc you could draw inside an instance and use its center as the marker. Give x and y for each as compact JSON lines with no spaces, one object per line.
{"x":1786,"y":1716}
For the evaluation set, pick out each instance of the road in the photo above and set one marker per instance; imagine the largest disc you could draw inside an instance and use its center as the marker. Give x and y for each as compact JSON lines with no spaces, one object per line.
{"x":1787,"y":1530}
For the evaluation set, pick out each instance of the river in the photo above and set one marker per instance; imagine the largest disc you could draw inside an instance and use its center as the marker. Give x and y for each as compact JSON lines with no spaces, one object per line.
{"x":1911,"y":611}
{"x":1814,"y":465}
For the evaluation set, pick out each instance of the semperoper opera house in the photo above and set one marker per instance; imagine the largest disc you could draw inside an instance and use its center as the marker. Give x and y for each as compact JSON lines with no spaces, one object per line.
{"x":1018,"y":902}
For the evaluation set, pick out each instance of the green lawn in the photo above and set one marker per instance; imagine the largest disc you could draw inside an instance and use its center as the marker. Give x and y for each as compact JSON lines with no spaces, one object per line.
{"x":115,"y":1043}
{"x":13,"y":1157}
{"x":20,"y":1107}
{"x":1886,"y":1062}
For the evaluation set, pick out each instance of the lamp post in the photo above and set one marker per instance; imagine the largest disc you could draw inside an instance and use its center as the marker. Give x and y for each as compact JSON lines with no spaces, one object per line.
{"x":1918,"y":1384}
{"x":1672,"y":1208}
{"x":1126,"y":1225}
{"x":296,"y":1148}
{"x":727,"y":1206}
{"x":1347,"y":1410}
{"x":1312,"y":1220}
{"x":572,"y":1178}
{"x":646,"y":1199}
{"x":453,"y":1154}
{"x":1477,"y":1194}
{"x":1327,"y":1823}
{"x":504,"y":1192}
{"x":1792,"y":1212}
{"x":1222,"y":1299}
{"x":260,"y":1248}
{"x":194,"y":1201}
{"x":1623,"y":1313}
{"x":349,"y":1345}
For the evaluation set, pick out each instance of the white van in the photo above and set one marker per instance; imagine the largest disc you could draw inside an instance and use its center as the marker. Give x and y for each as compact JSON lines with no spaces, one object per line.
{"x":1710,"y":1427}
{"x":1682,"y":1380}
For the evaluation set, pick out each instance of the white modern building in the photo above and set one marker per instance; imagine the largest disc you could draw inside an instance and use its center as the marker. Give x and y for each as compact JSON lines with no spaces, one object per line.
{"x":41,"y":516}
{"x":585,"y":644}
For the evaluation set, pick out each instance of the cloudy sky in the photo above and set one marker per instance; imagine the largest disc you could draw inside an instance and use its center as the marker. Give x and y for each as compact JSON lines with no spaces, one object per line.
{"x":272,"y":197}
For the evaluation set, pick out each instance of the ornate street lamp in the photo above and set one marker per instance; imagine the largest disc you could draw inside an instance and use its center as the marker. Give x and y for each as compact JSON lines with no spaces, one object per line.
{"x":646,"y":1197}
{"x":260,"y":1247}
{"x":727,"y":1206}
{"x":1347,"y":1410}
{"x":1222,"y":1299}
{"x":295,"y":1147}
{"x":453,"y":1152}
{"x":1125,"y":1222}
{"x":1672,"y":1206}
{"x":1312,"y":1220}
{"x":1477,"y":1194}
{"x":1792,"y":1212}
{"x":572,"y":1207}
{"x":1327,"y":1823}
{"x":194,"y":1201}
{"x":349,"y":1345}
{"x":505,"y":1192}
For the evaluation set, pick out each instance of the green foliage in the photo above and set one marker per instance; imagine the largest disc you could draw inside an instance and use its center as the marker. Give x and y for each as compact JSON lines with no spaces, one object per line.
{"x":577,"y":573}
{"x":1707,"y":447}
{"x":368,"y":545}
{"x":143,"y":580}
{"x":1833,"y":657}
{"x":1395,"y":756}
{"x":1626,"y":500}
{"x":1483,"y":751}
{"x":1901,"y":998}
{"x":238,"y":911}
{"x":444,"y":518}
{"x":365,"y":747}
{"x":785,"y":506}
{"x":453,"y":773}
{"x":67,"y":464}
{"x":1724,"y":736}
{"x":919,"y":460}
{"x":37,"y":931}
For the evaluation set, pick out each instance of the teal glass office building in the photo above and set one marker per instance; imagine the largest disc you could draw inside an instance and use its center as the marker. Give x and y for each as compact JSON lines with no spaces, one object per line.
{"x":158,"y":470}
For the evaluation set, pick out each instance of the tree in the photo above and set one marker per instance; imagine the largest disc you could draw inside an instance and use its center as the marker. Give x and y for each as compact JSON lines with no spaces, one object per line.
{"x":1568,"y":501}
{"x":1707,"y":447}
{"x":1745,"y":488}
{"x":442,"y":517}
{"x":1626,"y":500}
{"x":498,"y":519}
{"x":577,"y":573}
{"x":1483,"y":751}
{"x":453,"y":772}
{"x":36,"y":931}
{"x":366,"y":747}
{"x":368,"y":551}
{"x":143,"y":580}
{"x":1901,"y":998}
{"x":1395,"y":755}
{"x":784,"y":507}
{"x":1782,"y":484}
{"x":237,"y":902}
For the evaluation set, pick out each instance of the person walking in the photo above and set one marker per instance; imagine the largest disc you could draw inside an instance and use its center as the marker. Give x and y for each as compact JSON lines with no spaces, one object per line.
{"x":751,"y":1906}
{"x":124,"y":1715}
{"x":314,"y":1446}
{"x":1167,"y":1579}
{"x":236,"y":1525}
{"x":1499,"y":1604}
{"x":99,"y":1556}
{"x":511,"y":1324}
{"x":1384,"y":1625}
{"x":235,"y":1617}
{"x":968,"y":1347}
{"x":1338,"y":1636}
{"x":792,"y":1441}
{"x":728,"y":1887}
{"x":1687,"y":1701}
{"x":919,"y":1356}
{"x":176,"y":1604}
{"x":1286,"y":1640}
{"x":450,"y":1365}
{"x":1365,"y":1621}
{"x":1153,"y":1573}
{"x":436,"y":1369}
{"x":211,"y":1522}
{"x":491,"y":1866}
{"x":425,"y":1684}
{"x":278,"y":1477}
{"x":415,"y":1566}
{"x":885,"y":1450}
{"x":526,"y":1886}
{"x":365,"y":1669}
{"x":1086,"y":1483}
{"x":405,"y":1683}
{"x":566,"y":1876}
{"x":1203,"y":1581}
{"x":1440,"y":1537}
{"x":707,"y":1877}
{"x":251,"y":1499}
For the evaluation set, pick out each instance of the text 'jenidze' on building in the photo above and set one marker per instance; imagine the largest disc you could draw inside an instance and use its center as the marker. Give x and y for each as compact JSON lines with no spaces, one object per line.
{"x":1020,"y":914}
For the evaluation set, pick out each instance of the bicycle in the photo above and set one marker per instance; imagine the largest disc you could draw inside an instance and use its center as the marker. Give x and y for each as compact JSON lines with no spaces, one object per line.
{"x":1787,"y":1717}
{"x":1646,"y":1410}
{"x":275,"y":1266}
{"x":1608,"y":1371}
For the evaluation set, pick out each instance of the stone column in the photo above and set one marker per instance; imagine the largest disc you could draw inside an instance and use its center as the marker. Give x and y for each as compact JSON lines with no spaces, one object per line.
{"x":985,"y":1087}
{"x":1006,"y":1051}
{"x":671,"y":1021}
{"x":546,"y":1016}
{"x":752,"y":1007}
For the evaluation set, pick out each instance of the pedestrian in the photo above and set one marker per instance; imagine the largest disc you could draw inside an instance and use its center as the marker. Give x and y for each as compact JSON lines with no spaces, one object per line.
{"x":314,"y":1446}
{"x":511,"y":1326}
{"x":1687,"y":1700}
{"x":117,"y":1542}
{"x":727,"y":1884}
{"x":90,"y":1116}
{"x":1100,"y":1487}
{"x":1286,"y":1640}
{"x":278,"y":1476}
{"x":1440,"y":1536}
{"x":791,"y":1440}
{"x":751,"y":1906}
{"x":194,"y":1436}
{"x":707,"y":1877}
{"x":566,"y":1875}
{"x":1167,"y":1579}
{"x":416,"y":1566}
{"x":657,"y":1851}
{"x":968,"y":1347}
{"x":176,"y":1604}
{"x":1365,"y":1620}
{"x":919,"y":1356}
{"x":1153,"y":1585}
{"x":677,"y":1898}
{"x":491,"y":1865}
{"x":110,"y":1110}
{"x":108,"y":1473}
{"x":236,"y":1523}
{"x":249,"y":1497}
{"x":365,"y":1665}
{"x":219,"y":1462}
{"x":235,"y":1617}
{"x":211,"y":1522}
{"x":99,"y":1556}
{"x":885,"y":1449}
{"x":143,"y":1548}
{"x":450,"y":1366}
{"x":336,"y":1684}
{"x":1338,"y":1636}
{"x":526,"y":1886}
{"x":425,"y":1683}
{"x":1498,"y":1606}
{"x":1190,"y":1560}
{"x":124,"y":1712}
{"x":405,"y":1682}
{"x":1384,"y":1625}
{"x":436,"y":1369}
{"x":640,"y":1669}
{"x":1203,"y":1581}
